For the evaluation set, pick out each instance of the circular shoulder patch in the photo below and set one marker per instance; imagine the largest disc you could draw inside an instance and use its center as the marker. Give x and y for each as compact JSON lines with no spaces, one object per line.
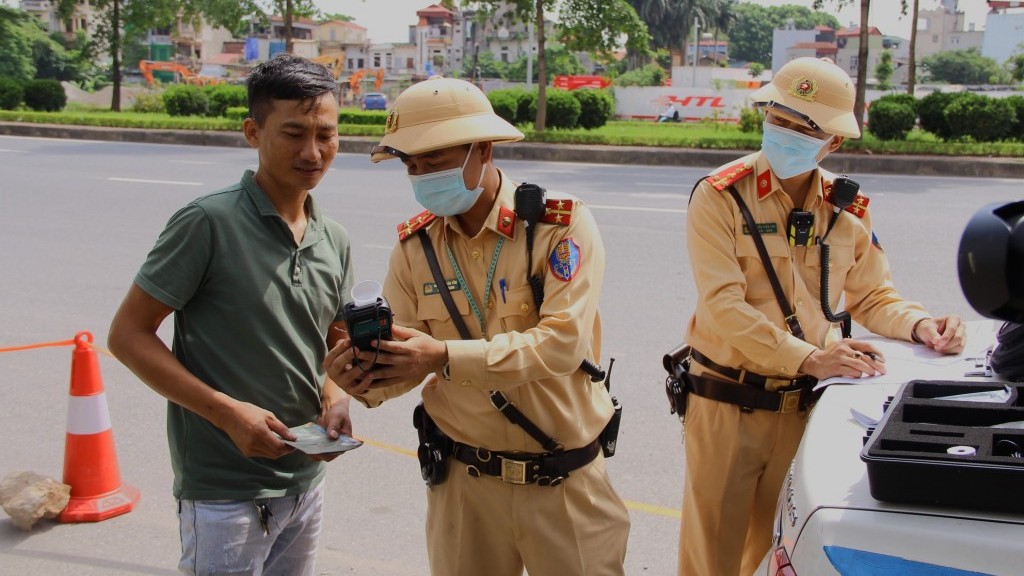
{"x":565,"y":260}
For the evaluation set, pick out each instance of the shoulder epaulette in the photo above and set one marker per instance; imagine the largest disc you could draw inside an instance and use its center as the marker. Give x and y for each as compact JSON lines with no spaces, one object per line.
{"x":415,"y":224}
{"x":558,"y":211}
{"x":858,"y":208}
{"x":730,"y":175}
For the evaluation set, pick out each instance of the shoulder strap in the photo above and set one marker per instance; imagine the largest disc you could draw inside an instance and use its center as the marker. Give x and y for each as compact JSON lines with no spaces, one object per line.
{"x":498,"y":399}
{"x":442,"y":286}
{"x":790,"y":316}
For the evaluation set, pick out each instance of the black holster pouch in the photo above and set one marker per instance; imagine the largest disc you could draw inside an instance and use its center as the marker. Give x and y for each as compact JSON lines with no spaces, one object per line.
{"x":677,"y":364}
{"x":434,"y":449}
{"x":610,"y":435}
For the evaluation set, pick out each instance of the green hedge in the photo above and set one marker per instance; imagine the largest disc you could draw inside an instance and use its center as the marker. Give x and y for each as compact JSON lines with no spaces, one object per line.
{"x":981,"y":118}
{"x":224,"y":96}
{"x":186,"y":100}
{"x":597,"y":106}
{"x":891,"y":119}
{"x":237,"y":113}
{"x":45,"y":95}
{"x":930,"y":111}
{"x":562,"y":112}
{"x":363,"y":117}
{"x":12,"y":94}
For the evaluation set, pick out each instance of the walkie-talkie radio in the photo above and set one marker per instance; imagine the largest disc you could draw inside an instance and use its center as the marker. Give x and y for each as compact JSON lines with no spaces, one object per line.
{"x":844,"y":192}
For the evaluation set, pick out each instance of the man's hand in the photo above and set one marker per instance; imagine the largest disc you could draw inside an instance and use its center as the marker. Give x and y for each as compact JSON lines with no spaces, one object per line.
{"x":340,"y":364}
{"x":849,"y":358}
{"x":334,"y":417}
{"x":257,"y":432}
{"x":947,"y":334}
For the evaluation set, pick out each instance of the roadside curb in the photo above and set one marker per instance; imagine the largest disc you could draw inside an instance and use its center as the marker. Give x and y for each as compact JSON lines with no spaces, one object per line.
{"x":976,"y":167}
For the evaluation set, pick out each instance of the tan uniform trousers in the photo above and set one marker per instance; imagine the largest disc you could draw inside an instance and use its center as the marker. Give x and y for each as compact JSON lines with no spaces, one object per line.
{"x":735,"y":466}
{"x":482,"y":525}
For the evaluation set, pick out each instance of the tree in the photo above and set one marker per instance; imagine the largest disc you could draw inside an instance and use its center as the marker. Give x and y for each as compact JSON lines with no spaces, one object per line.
{"x":17,"y":31}
{"x":912,"y":56}
{"x":755,"y":69}
{"x":671,"y":21}
{"x":1015,"y":64}
{"x":332,"y":16}
{"x":750,"y":36}
{"x":962,"y":67}
{"x":862,"y":51}
{"x":883,"y":71}
{"x":586,"y":25}
{"x":559,"y":60}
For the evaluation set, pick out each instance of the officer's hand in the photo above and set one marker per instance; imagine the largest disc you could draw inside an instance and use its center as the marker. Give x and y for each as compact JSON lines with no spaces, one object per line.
{"x":410,"y":357}
{"x":256,"y":432}
{"x":947,"y":334}
{"x":848,"y":358}
{"x":342,"y":367}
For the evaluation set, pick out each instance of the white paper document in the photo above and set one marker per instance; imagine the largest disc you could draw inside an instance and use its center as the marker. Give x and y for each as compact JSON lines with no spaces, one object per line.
{"x":312,"y":438}
{"x":906,"y":361}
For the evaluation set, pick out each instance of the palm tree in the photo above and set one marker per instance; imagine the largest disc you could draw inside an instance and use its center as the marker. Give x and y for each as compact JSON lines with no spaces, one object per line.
{"x":722,"y":19}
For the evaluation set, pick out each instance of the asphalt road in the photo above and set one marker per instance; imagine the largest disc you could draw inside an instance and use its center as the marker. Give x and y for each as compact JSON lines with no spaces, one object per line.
{"x":78,"y":217}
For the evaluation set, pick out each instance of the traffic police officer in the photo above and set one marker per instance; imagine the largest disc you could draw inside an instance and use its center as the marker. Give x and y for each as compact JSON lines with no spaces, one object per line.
{"x":508,"y":501}
{"x":750,"y":373}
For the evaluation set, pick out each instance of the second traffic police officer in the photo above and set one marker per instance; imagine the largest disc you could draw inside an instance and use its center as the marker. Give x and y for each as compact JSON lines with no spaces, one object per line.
{"x":525,"y":481}
{"x":753,"y":365}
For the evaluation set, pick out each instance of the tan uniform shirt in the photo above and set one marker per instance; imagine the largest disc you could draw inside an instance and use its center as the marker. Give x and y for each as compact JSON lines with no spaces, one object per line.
{"x":738,"y":321}
{"x":533,"y":356}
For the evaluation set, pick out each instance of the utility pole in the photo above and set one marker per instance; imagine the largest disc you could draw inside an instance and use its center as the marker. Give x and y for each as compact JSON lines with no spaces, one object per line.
{"x":696,"y":50}
{"x":529,"y":55}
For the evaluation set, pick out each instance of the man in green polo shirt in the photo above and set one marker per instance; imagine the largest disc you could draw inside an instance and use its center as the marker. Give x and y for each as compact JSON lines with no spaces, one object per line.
{"x":256,"y":277}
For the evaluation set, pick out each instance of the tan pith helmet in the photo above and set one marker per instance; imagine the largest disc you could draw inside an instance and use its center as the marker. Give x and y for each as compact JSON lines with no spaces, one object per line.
{"x":821,"y":94}
{"x":439,"y":113}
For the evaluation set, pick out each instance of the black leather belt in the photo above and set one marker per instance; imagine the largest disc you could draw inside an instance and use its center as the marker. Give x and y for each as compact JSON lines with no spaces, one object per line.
{"x":548,"y":469}
{"x":751,"y":397}
{"x":751,"y":378}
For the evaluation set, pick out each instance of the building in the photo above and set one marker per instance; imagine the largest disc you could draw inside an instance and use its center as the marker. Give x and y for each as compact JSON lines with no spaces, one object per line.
{"x":498,"y":34}
{"x":432,"y":36}
{"x":811,"y":43}
{"x":942,"y":29}
{"x":338,"y":37}
{"x":82,"y":19}
{"x":1004,"y":31}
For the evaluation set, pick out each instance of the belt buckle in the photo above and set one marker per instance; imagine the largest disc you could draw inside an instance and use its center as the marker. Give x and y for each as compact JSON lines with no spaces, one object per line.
{"x":790,"y":401}
{"x":513,"y":471}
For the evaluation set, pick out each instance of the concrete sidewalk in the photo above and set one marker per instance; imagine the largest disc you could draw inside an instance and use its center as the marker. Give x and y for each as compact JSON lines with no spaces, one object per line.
{"x":970,"y":166}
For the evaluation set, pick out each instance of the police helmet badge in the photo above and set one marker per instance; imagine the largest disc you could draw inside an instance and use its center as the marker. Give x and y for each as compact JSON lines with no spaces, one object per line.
{"x":392,"y":122}
{"x":804,"y":88}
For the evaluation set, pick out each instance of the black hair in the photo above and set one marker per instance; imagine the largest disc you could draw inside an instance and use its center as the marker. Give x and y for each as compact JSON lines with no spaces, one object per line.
{"x":286,"y":77}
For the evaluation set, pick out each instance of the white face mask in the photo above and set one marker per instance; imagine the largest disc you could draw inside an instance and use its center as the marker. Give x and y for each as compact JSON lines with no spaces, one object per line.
{"x":444,"y":193}
{"x":791,"y":153}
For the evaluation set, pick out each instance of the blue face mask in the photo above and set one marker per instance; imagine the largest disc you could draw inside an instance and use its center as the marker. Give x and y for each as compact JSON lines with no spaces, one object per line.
{"x":789,"y":152}
{"x":444,"y":193}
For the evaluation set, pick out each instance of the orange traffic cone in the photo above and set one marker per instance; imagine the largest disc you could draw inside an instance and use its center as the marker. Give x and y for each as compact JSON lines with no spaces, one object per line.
{"x":90,"y":460}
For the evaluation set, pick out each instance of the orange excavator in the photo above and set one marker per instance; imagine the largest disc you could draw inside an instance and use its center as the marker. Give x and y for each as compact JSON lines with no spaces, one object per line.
{"x":146,"y":67}
{"x":355,"y":80}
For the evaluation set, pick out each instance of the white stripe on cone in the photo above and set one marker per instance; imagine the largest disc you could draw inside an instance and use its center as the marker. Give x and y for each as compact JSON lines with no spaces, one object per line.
{"x":88,"y":414}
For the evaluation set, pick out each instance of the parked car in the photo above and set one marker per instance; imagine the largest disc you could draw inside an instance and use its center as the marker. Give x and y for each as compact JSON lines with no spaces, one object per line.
{"x":374,"y":101}
{"x":828,"y":523}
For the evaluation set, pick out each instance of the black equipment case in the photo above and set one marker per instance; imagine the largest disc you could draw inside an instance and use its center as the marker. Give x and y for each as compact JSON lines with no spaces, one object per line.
{"x":907,"y":454}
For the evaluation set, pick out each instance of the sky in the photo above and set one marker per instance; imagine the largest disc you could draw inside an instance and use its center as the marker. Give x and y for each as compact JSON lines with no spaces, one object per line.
{"x":389,"y":20}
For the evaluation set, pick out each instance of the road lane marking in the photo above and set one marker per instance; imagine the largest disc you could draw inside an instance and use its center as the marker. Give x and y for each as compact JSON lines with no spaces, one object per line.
{"x":378,"y":246}
{"x":144,"y":181}
{"x":638,"y":209}
{"x":14,"y":151}
{"x":631,"y":504}
{"x":191,"y":162}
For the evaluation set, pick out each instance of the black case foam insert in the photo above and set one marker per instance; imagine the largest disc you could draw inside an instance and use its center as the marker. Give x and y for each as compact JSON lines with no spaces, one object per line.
{"x":907,"y":459}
